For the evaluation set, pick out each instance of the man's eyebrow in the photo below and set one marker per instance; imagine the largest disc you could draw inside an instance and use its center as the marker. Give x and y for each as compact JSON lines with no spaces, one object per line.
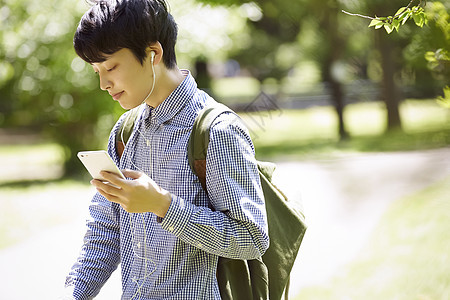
{"x":105,"y":57}
{"x":101,"y":62}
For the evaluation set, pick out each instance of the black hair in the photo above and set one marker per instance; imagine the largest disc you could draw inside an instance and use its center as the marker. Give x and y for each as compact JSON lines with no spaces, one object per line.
{"x":111,"y":25}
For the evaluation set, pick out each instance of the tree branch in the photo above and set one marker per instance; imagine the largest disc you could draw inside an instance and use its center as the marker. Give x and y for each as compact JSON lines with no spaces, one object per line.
{"x":393,"y":17}
{"x":408,"y":6}
{"x":358,"y":15}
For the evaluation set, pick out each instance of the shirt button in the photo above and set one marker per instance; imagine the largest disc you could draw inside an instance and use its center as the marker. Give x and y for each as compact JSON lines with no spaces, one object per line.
{"x":171,"y":228}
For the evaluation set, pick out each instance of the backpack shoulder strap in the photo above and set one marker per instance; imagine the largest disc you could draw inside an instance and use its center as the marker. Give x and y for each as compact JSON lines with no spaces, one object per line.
{"x":199,"y":139}
{"x":125,"y":129}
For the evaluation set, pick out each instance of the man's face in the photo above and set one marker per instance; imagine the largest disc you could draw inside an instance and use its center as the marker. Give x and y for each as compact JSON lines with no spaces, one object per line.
{"x":125,"y":79}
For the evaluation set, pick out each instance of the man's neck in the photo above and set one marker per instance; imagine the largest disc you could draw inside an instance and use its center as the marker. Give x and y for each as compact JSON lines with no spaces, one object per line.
{"x":167,"y":80}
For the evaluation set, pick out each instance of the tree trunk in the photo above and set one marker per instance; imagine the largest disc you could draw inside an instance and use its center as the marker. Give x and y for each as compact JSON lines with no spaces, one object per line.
{"x":338,"y":99}
{"x":390,"y":91}
{"x":202,"y":76}
{"x":335,"y":44}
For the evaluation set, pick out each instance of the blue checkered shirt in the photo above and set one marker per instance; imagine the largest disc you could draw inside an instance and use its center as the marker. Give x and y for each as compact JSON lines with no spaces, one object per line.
{"x":175,"y":257}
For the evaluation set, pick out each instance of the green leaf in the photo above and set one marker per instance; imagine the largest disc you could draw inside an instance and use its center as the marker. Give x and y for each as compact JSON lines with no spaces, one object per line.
{"x":442,"y":54}
{"x":376,"y":22}
{"x":419,"y":16}
{"x":417,"y":9}
{"x":396,"y":24}
{"x":430,"y":56}
{"x":424,"y":17}
{"x":406,"y":17}
{"x":417,"y":19}
{"x":401,"y":10}
{"x":422,"y":20}
{"x":389,"y":28}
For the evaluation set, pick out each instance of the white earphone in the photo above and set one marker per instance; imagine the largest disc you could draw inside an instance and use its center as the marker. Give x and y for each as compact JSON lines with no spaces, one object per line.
{"x":152,"y":54}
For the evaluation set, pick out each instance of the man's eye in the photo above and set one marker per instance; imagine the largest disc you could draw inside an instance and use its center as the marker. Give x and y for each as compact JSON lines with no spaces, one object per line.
{"x":109,"y":70}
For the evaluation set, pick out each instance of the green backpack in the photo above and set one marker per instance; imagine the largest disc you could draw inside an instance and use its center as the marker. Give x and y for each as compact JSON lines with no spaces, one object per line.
{"x":268,"y":276}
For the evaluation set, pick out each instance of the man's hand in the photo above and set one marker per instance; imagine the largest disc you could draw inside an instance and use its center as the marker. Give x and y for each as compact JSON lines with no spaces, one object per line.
{"x":139,"y":195}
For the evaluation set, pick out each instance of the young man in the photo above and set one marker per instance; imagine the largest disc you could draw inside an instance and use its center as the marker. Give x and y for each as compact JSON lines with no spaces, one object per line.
{"x":158,"y":223}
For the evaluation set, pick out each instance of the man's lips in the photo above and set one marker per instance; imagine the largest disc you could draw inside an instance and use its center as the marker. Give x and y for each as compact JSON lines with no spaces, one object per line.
{"x":117,"y":95}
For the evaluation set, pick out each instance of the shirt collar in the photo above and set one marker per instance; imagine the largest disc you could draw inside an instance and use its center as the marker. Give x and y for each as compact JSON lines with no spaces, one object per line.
{"x":175,"y":102}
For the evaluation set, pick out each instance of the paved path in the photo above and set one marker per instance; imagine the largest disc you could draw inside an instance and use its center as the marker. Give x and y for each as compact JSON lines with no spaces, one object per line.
{"x":343,"y":199}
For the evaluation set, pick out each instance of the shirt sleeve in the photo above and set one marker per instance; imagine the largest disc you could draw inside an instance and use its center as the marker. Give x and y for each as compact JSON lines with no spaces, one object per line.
{"x":99,"y":255}
{"x":237,"y":227}
{"x":100,"y":252}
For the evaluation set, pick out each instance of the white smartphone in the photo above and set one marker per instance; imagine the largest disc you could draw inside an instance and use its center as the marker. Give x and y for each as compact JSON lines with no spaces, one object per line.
{"x":97,"y":161}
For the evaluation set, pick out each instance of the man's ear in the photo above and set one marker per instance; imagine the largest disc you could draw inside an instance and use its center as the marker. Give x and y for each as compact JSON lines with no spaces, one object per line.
{"x":157,"y":51}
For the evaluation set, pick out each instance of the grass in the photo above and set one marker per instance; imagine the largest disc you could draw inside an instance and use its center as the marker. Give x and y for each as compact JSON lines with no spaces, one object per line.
{"x":407,"y":258}
{"x":28,"y":162}
{"x":312,"y":133}
{"x":42,"y":153}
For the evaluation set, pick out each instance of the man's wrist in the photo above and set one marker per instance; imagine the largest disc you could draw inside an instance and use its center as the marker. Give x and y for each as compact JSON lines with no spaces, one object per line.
{"x":166,"y":200}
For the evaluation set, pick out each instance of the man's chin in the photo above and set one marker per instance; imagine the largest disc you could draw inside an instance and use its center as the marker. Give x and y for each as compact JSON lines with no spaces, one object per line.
{"x":128,"y":106}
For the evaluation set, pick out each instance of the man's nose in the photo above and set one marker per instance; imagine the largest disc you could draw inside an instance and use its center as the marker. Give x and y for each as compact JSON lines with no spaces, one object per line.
{"x":105,"y":83}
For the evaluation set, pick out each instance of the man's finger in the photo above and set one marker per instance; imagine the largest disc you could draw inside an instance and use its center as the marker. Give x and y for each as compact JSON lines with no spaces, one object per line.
{"x":131,"y":174}
{"x":108,"y":188}
{"x":113,"y":178}
{"x":109,"y":197}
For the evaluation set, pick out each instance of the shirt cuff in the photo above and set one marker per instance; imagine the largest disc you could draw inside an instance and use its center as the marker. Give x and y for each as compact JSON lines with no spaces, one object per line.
{"x":177,"y":216}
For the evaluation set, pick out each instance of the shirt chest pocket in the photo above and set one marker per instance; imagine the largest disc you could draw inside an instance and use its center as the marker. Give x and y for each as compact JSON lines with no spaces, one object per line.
{"x":174,"y":172}
{"x":179,"y":181}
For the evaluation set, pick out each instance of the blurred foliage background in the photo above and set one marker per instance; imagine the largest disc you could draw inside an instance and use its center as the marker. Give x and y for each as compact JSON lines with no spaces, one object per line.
{"x":300,"y":53}
{"x":309,"y":81}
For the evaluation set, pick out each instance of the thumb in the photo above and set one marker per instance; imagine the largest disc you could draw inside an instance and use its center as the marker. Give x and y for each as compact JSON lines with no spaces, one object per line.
{"x":132,"y":174}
